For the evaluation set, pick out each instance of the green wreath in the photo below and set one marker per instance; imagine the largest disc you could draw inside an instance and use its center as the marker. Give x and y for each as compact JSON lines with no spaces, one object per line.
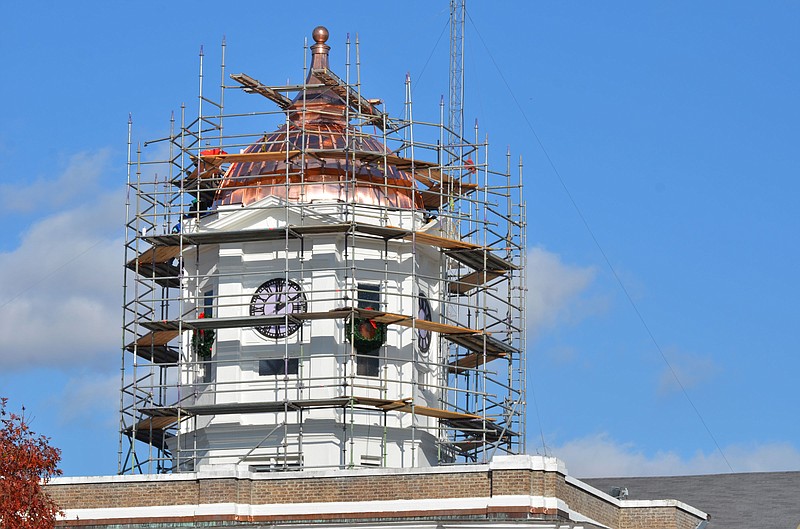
{"x":202,"y":341}
{"x":366,"y":334}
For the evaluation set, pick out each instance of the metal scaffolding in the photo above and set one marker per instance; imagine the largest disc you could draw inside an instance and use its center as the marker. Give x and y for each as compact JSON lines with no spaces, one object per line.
{"x":419,"y":174}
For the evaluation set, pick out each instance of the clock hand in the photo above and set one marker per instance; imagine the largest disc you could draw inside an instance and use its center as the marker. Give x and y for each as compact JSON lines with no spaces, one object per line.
{"x":278,"y":305}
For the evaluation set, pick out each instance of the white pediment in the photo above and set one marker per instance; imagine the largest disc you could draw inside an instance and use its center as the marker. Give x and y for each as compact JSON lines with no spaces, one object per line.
{"x":270,"y":213}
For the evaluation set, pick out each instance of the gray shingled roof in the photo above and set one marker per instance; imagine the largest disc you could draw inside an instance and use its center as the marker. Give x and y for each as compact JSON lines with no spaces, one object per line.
{"x":758,"y":500}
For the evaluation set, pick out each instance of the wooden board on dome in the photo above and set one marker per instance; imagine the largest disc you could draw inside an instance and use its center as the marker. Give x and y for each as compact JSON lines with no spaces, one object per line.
{"x":254,"y":86}
{"x":346,"y":92}
{"x":249,"y":157}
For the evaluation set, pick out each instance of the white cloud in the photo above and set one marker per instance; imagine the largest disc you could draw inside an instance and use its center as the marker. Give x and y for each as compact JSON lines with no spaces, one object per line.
{"x":91,"y":398}
{"x":60,"y":289}
{"x":74,"y":184}
{"x":601,"y":456}
{"x":554,"y":290}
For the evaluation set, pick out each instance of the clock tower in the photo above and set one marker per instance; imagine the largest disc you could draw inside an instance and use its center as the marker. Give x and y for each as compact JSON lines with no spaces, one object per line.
{"x":346,"y":291}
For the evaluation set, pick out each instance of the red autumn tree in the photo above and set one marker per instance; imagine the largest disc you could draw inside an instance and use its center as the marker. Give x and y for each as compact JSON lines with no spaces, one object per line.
{"x":27,"y":462}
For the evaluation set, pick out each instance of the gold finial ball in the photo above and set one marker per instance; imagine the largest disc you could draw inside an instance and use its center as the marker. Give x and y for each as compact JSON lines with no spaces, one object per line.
{"x":320,"y":34}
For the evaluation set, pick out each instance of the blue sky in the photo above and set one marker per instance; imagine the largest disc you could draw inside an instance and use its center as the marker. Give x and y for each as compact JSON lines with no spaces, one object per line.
{"x":674,"y":126}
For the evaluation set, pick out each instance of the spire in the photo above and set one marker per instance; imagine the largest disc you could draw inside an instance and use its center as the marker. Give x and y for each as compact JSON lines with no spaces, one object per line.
{"x":311,"y":99}
{"x":319,"y":51}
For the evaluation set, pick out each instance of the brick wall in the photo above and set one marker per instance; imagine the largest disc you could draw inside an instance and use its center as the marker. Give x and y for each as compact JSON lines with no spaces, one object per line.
{"x":274,"y":491}
{"x":508,"y":482}
{"x":374,"y":485}
{"x":656,"y":518}
{"x":594,"y":507}
{"x":132,"y":494}
{"x":369,"y":488}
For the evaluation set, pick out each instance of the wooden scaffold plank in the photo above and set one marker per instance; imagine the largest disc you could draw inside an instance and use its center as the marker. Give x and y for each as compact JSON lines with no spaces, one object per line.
{"x":470,"y":424}
{"x":405,"y":406}
{"x":153,"y":430}
{"x":156,"y":263}
{"x":473,"y":280}
{"x":254,"y":86}
{"x":480,"y":342}
{"x":154,"y":347}
{"x":473,"y":361}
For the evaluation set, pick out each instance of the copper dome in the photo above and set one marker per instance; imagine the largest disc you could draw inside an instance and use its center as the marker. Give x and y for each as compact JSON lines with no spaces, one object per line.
{"x":325,"y":158}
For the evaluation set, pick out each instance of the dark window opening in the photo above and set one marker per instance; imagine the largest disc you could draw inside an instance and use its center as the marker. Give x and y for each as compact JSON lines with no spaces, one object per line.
{"x":369,"y":296}
{"x":278,"y":366}
{"x":208,"y":372}
{"x":368,"y":363}
{"x":208,"y":312}
{"x":208,"y":304}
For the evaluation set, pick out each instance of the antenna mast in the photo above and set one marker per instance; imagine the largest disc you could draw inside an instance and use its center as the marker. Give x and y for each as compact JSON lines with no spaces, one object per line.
{"x":455,"y":122}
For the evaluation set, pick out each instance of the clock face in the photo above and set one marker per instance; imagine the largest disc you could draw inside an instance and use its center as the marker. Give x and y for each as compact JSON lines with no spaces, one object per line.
{"x":278,"y":297}
{"x":423,"y":313}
